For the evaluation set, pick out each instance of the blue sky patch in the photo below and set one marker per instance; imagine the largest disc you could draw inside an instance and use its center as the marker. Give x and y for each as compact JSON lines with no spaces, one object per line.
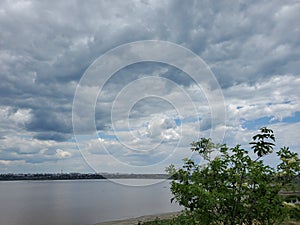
{"x":268,"y":120}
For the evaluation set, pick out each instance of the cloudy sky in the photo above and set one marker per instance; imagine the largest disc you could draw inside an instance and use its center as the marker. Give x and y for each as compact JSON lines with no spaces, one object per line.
{"x":64,"y":108}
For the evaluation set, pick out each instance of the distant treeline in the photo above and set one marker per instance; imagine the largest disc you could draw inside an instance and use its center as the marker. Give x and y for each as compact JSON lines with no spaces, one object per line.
{"x":77,"y":176}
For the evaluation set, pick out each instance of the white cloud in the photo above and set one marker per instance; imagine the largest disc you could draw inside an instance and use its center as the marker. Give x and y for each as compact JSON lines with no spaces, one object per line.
{"x":63,"y":154}
{"x":277,"y":97}
{"x":5,"y":162}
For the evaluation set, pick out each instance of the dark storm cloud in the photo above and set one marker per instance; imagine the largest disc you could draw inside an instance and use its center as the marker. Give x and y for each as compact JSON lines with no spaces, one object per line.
{"x":74,"y":39}
{"x":52,"y":136}
{"x":16,"y":153}
{"x":178,"y":76}
{"x":44,"y":47}
{"x":43,"y":120}
{"x":148,"y":106}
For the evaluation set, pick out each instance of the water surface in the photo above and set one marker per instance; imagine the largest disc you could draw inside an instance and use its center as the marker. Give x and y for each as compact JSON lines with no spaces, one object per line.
{"x":80,"y":202}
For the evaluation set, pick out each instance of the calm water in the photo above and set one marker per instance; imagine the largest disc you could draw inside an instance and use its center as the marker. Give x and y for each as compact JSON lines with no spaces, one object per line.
{"x":79,"y":202}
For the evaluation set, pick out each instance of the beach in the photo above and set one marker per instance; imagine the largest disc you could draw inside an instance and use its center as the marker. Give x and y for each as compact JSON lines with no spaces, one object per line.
{"x":135,"y":221}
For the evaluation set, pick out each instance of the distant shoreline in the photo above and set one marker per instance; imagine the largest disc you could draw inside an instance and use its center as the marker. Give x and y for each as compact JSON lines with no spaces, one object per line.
{"x":78,"y":176}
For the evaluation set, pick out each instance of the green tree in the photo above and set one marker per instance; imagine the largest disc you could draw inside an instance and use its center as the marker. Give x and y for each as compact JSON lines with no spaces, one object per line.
{"x":234,"y":188}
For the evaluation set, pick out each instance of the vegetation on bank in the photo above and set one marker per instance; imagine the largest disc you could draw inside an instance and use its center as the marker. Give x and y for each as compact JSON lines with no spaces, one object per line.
{"x":78,"y":176}
{"x":234,"y":188}
{"x":184,"y":219}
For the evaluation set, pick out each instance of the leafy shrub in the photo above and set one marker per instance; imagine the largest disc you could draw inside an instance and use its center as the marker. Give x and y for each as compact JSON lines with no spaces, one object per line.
{"x":293,"y":211}
{"x":233,"y":188}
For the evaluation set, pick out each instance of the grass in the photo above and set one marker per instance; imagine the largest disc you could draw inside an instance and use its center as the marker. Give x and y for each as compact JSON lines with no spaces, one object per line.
{"x":159,"y":222}
{"x":294,"y":219}
{"x":173,"y":222}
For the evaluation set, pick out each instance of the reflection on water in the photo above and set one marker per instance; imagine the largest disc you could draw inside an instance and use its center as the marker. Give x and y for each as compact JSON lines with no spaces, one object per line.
{"x":79,"y":202}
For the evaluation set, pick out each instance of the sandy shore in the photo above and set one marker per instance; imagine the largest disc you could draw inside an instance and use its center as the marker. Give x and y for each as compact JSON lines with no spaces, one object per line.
{"x":135,"y":221}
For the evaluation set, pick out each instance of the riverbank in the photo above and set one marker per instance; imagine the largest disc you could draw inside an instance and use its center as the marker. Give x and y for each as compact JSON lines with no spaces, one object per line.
{"x":135,"y":221}
{"x":78,"y":176}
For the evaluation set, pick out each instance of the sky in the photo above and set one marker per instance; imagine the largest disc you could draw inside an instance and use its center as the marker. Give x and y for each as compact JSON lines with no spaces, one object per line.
{"x":126,"y":86}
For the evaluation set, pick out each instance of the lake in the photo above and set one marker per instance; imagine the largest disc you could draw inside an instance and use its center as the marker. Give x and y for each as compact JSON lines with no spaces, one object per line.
{"x":81,"y":202}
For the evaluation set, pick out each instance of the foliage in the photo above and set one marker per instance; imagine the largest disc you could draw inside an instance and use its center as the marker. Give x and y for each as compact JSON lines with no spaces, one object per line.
{"x":234,"y":188}
{"x":293,"y":211}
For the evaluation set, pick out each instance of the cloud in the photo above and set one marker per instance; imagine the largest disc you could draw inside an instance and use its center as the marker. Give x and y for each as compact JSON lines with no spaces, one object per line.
{"x":251,"y":47}
{"x":162,"y":129}
{"x":44,"y":120}
{"x":62,"y":154}
{"x":5,"y":162}
{"x":277,"y":97}
{"x":51,"y":136}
